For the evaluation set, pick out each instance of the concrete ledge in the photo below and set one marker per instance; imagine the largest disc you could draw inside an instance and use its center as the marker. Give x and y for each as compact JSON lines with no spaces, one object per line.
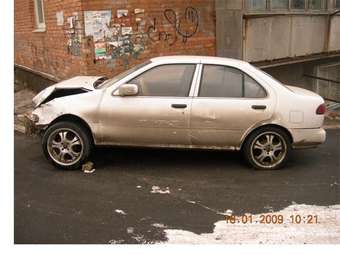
{"x":31,"y":79}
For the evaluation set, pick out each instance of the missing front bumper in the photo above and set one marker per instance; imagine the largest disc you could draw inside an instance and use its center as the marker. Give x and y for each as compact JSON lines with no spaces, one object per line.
{"x":31,"y":128}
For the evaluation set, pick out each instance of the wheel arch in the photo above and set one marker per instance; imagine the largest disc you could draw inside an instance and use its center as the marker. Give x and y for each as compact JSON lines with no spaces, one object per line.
{"x":266,"y":126}
{"x":74,"y":119}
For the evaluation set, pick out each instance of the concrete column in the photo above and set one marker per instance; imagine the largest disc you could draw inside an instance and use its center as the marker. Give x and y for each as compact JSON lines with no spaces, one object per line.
{"x":229,"y":23}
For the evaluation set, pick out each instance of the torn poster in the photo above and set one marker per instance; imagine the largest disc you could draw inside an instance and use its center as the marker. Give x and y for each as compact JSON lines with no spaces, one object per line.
{"x":97,"y":23}
{"x":122,"y":13}
{"x":100,"y":50}
{"x":126,"y":30}
{"x":60,"y":18}
{"x":139,"y":11}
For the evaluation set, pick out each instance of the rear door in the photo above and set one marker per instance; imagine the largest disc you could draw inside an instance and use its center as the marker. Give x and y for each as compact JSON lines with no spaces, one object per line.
{"x":227,"y":103}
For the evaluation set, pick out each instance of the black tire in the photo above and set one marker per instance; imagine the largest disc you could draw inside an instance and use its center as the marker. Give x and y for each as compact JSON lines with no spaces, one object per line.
{"x":67,"y":129}
{"x":262,"y":154}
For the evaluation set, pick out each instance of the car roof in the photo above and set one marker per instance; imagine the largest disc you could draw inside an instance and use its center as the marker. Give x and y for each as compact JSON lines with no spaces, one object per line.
{"x":200,"y":59}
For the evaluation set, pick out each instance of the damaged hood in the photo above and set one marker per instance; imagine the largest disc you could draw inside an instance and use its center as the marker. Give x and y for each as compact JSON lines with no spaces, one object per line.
{"x":76,"y":85}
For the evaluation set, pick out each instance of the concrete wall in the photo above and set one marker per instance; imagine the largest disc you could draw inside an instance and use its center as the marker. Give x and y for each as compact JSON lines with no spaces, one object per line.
{"x":284,"y":36}
{"x":267,"y":35}
{"x":298,"y":74}
{"x":329,"y":89}
{"x":334,"y":40}
{"x":228,"y":28}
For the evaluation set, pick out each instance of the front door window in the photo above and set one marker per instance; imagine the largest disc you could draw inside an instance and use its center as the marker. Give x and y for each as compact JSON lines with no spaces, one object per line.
{"x":166,"y":81}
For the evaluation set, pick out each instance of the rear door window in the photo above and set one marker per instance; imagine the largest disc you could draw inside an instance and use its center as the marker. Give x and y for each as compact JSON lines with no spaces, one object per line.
{"x":224,"y":81}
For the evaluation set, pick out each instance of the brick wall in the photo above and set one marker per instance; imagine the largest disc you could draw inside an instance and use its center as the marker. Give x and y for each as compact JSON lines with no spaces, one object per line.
{"x":166,"y":28}
{"x":45,"y":51}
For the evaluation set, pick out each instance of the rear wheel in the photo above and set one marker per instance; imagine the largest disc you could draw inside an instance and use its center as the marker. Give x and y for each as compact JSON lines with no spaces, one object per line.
{"x":67,"y":144}
{"x":267,"y":148}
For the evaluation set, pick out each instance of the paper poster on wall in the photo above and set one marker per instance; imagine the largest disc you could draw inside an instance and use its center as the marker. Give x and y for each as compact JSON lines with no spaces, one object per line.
{"x":60,"y":18}
{"x":122,"y":13}
{"x":96,"y":24}
{"x":100,"y":50}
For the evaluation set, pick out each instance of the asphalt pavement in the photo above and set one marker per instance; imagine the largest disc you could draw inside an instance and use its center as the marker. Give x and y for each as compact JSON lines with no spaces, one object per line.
{"x":135,"y":193}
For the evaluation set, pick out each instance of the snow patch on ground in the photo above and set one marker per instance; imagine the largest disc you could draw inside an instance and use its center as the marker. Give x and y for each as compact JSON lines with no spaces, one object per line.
{"x":120,"y":212}
{"x":157,"y":189}
{"x":326,"y":231}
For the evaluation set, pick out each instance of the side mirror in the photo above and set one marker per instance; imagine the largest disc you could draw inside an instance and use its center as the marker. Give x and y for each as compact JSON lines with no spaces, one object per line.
{"x":128,"y":90}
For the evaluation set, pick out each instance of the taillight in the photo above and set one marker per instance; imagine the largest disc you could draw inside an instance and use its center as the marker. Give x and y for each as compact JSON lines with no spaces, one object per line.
{"x":321,"y":109}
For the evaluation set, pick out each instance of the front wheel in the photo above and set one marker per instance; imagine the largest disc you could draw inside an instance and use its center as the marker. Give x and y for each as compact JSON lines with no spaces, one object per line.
{"x":66,"y":144}
{"x":267,"y":148}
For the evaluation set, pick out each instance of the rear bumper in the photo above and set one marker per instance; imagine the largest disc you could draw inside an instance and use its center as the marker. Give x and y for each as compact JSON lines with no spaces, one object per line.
{"x":307,"y":137}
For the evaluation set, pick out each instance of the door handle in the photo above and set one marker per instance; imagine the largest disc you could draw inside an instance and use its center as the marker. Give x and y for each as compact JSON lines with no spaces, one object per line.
{"x":179,"y":106}
{"x":259,"y":107}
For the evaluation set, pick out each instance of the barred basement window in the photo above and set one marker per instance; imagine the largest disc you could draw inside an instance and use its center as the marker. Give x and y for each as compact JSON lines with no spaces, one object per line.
{"x":298,"y":4}
{"x":39,"y":15}
{"x":316,"y":4}
{"x":280,"y":4}
{"x":257,"y":4}
{"x":337,"y":4}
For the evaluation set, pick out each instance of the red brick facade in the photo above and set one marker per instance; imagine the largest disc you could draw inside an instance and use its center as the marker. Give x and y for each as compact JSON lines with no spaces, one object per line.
{"x":158,"y":27}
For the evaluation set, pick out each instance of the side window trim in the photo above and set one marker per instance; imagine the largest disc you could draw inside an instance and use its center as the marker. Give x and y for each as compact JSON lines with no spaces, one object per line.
{"x":198,"y":80}
{"x":199,"y":83}
{"x":192,"y":83}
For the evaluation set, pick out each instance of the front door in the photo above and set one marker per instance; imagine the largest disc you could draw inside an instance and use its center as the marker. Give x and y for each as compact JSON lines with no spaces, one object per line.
{"x":157,"y":116}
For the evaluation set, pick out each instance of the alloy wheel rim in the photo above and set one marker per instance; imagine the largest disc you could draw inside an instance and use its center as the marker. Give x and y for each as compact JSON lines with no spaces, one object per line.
{"x":65,"y":146}
{"x":268,"y":149}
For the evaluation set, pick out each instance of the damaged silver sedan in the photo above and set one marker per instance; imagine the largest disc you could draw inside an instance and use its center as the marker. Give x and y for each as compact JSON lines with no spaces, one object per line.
{"x":179,"y":102}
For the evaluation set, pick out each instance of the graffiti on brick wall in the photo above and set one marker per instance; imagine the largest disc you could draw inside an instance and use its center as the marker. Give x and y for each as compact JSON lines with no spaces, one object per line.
{"x":126,"y":35}
{"x":183,"y":27}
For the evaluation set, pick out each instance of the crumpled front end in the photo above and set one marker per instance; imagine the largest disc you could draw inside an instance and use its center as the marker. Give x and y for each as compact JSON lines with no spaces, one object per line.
{"x":39,"y":119}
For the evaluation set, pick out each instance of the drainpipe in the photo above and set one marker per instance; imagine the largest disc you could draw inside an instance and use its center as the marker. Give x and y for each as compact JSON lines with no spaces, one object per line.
{"x":329,"y":21}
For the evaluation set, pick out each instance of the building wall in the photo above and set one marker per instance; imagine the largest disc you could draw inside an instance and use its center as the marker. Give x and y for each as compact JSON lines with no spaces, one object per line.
{"x":167,"y":28}
{"x":321,"y":76}
{"x":258,"y":35}
{"x":289,"y":36}
{"x":48,"y":51}
{"x":334,"y":41}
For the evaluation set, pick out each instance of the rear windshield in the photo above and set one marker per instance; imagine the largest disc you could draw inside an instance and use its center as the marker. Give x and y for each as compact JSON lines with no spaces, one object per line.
{"x":271,"y":77}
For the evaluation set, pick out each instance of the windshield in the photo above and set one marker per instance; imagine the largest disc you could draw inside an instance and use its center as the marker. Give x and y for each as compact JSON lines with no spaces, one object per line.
{"x":120,"y":76}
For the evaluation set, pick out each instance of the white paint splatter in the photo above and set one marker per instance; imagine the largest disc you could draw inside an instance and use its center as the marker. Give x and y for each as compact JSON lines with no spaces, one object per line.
{"x":191,"y":202}
{"x":120,"y":212}
{"x":89,"y":171}
{"x":120,"y":241}
{"x":269,"y":208}
{"x":227,"y":212}
{"x":326,"y":231}
{"x":138,"y":187}
{"x":159,"y":225}
{"x":157,"y":189}
{"x":130,"y":230}
{"x":335,"y":183}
